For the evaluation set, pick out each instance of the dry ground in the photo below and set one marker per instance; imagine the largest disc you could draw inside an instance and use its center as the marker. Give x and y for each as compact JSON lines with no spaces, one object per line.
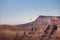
{"x":21,"y":34}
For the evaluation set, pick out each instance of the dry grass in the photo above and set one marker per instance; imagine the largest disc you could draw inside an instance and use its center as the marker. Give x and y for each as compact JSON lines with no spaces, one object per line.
{"x":21,"y":34}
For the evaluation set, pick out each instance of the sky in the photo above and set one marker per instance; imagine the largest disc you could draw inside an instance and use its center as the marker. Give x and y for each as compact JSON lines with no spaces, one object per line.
{"x":24,"y":11}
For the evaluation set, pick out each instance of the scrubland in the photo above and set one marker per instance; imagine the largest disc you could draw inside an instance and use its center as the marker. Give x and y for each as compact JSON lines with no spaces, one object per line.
{"x":8,"y":33}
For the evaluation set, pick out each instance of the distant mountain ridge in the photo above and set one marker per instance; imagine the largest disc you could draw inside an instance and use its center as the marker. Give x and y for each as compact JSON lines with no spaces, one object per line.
{"x":40,"y":21}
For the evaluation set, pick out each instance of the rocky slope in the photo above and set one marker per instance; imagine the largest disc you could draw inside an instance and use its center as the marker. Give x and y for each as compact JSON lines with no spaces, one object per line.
{"x":40,"y":21}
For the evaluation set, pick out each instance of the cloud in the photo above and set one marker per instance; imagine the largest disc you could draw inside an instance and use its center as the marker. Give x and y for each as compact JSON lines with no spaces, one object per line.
{"x":13,"y":21}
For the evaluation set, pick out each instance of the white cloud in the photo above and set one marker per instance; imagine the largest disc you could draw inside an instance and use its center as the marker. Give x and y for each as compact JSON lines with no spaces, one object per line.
{"x":13,"y":21}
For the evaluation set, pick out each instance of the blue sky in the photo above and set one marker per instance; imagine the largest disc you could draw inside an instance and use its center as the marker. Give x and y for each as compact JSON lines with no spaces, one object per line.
{"x":21,"y":11}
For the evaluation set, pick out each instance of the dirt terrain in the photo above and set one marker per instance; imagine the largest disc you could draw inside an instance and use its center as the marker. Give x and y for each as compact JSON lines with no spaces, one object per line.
{"x":7,"y":33}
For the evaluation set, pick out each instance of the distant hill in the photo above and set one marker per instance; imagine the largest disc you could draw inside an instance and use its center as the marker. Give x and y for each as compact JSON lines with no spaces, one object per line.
{"x":40,"y":21}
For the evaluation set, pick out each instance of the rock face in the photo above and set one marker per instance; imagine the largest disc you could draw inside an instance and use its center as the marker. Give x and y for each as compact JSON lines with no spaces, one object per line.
{"x":40,"y":21}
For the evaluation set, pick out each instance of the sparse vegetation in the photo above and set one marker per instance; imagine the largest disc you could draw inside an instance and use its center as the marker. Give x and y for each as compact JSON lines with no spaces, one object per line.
{"x":11,"y":33}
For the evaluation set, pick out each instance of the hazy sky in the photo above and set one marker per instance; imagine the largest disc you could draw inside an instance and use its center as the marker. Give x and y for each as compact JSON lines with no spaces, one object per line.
{"x":22,"y":11}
